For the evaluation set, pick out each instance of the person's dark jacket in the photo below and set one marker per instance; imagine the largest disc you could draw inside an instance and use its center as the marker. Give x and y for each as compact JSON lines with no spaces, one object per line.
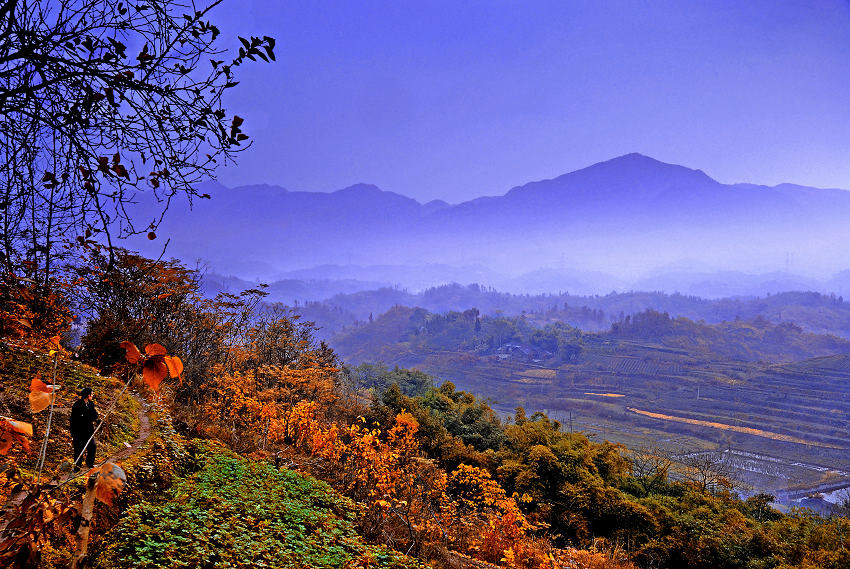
{"x":83,"y":419}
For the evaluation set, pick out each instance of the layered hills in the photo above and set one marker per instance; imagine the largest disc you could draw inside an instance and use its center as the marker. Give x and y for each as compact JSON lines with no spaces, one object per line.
{"x":630,"y":218}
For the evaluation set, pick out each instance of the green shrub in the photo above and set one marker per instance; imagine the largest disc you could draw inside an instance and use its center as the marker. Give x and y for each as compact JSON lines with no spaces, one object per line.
{"x":239,"y":513}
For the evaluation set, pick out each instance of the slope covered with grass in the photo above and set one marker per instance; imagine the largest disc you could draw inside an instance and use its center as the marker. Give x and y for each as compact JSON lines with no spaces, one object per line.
{"x":19,"y":365}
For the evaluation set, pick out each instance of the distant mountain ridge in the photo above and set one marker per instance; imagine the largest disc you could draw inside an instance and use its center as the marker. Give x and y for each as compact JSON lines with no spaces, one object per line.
{"x":625,"y":217}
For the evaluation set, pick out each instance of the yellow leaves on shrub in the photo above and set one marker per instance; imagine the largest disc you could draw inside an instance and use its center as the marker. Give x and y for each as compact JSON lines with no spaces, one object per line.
{"x":41,"y":395}
{"x":12,"y":431}
{"x":111,"y":481}
{"x":483,"y":516}
{"x":384,"y":472}
{"x":406,"y":422}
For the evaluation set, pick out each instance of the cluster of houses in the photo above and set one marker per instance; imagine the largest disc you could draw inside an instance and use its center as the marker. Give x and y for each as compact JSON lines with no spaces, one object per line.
{"x":523,"y":353}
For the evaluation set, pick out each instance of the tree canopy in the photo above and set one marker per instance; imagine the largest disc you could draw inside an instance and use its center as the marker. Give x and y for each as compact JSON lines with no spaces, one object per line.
{"x":101,"y":101}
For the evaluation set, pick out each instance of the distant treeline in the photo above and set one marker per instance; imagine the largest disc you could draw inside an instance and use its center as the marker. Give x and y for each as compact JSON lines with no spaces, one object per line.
{"x":811,"y":311}
{"x":545,"y":339}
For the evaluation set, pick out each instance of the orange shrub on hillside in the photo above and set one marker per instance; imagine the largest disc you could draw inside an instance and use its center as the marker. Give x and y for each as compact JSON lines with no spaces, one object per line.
{"x":410,"y":503}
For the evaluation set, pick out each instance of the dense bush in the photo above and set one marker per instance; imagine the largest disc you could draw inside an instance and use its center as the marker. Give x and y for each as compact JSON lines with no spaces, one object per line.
{"x":239,"y":513}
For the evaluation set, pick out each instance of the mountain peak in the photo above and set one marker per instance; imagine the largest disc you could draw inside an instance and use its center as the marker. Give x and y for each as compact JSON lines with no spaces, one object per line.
{"x":370,"y":193}
{"x":635,"y":168}
{"x":268,"y":188}
{"x":634,"y":157}
{"x":636,"y":163}
{"x":630,"y":175}
{"x":360,"y":189}
{"x":367,"y":191}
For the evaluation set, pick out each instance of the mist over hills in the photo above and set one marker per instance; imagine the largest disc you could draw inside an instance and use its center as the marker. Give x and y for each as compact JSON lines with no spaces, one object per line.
{"x":627,"y":223}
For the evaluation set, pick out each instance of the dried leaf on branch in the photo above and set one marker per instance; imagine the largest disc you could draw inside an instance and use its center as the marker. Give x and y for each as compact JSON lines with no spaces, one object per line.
{"x":111,"y":482}
{"x":12,"y":431}
{"x":40,"y":395}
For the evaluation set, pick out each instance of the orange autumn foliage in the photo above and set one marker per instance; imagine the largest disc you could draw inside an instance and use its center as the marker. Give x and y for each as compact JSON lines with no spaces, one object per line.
{"x":483,"y":518}
{"x":408,"y":501}
{"x":255,"y":408}
{"x":33,"y":314}
{"x":40,"y":395}
{"x":588,"y":559}
{"x":156,"y":363}
{"x":12,"y":431}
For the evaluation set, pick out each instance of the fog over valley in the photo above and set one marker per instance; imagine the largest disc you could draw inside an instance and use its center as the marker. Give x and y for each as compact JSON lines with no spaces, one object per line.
{"x":630,"y":223}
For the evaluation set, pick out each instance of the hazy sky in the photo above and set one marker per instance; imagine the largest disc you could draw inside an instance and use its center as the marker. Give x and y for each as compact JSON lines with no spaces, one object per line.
{"x":458,"y":99}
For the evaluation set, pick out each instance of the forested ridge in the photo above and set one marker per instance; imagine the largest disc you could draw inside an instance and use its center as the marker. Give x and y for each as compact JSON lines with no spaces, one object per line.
{"x":813,"y":312}
{"x":557,"y":342}
{"x":740,"y":391}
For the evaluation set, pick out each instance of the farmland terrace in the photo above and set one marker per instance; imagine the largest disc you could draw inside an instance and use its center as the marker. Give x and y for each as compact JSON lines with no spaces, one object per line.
{"x":781,"y":427}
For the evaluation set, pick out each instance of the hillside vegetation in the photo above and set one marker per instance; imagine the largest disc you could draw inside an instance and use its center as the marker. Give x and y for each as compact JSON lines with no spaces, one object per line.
{"x":769,"y":399}
{"x":235,"y":512}
{"x":415,"y":471}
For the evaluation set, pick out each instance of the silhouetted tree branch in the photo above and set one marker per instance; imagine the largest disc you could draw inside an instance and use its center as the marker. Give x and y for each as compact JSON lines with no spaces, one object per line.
{"x":100,"y":101}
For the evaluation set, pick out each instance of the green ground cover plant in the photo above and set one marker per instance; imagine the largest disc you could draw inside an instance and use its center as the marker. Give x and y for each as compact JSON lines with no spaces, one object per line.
{"x":239,"y":513}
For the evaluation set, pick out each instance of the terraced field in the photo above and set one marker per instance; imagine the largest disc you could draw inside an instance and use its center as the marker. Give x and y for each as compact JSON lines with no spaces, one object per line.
{"x":783,"y":428}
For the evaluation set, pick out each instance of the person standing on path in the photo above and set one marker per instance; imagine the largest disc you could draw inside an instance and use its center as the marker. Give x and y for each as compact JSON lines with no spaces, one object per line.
{"x":83,"y":419}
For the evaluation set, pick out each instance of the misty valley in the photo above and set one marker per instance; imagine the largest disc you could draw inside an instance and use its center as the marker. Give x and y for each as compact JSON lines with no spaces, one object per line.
{"x":353,"y":379}
{"x":743,"y":371}
{"x":736,"y":380}
{"x":743,"y":366}
{"x":386,"y":285}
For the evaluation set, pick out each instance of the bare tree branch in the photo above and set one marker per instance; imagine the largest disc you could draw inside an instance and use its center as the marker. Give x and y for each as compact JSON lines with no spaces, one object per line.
{"x":101,"y":102}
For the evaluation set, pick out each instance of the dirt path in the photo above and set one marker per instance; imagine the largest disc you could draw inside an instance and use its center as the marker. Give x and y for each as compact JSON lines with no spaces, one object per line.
{"x":131,"y":448}
{"x":144,"y":432}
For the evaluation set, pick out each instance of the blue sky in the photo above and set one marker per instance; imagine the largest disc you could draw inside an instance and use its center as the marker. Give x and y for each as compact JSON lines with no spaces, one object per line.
{"x":454,"y":100}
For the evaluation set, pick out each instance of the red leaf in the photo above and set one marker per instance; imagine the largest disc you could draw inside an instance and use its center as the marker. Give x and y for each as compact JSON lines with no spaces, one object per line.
{"x":133,"y":353}
{"x":154,"y":371}
{"x":156,"y":350}
{"x":38,"y":385}
{"x":175,"y":366}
